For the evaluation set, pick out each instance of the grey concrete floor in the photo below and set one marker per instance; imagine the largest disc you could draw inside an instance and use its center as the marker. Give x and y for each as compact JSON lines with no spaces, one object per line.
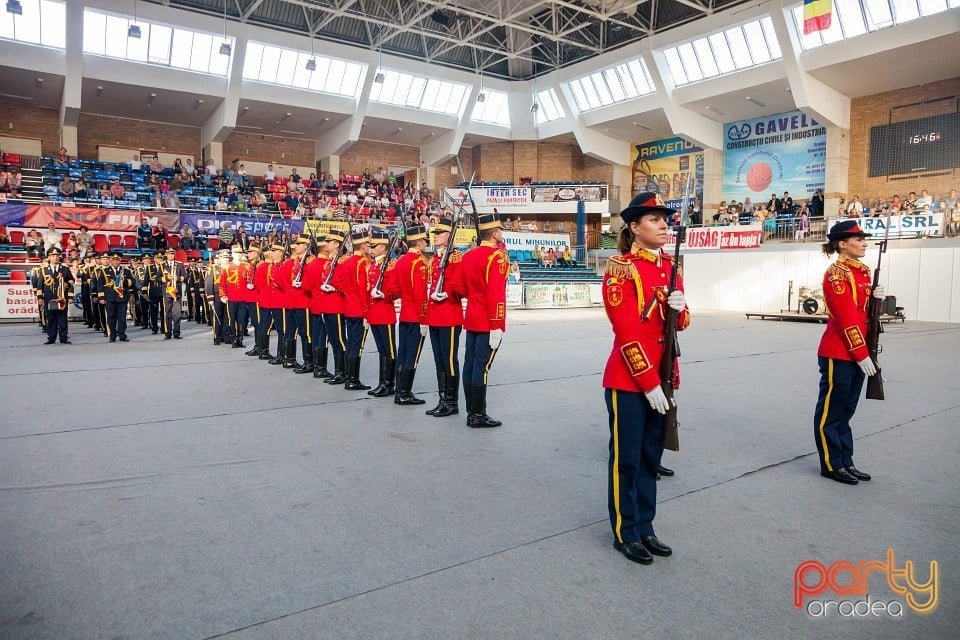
{"x":180,"y":490}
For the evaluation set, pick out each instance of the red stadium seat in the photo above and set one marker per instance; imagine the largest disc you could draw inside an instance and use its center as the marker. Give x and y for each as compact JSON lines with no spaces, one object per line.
{"x":11,"y":158}
{"x":17,"y":259}
{"x":129,"y":242}
{"x":115,"y":241}
{"x":17,"y":237}
{"x":213,"y":243}
{"x":100,"y":243}
{"x":173,"y":241}
{"x":282,"y":205}
{"x":18,"y":276}
{"x":272,"y":187}
{"x":180,"y":255}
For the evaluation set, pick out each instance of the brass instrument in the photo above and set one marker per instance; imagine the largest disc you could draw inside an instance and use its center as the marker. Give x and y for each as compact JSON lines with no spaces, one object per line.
{"x":61,"y":291}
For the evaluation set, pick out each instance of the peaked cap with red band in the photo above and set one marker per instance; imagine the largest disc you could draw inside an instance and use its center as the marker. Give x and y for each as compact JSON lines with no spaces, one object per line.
{"x":645,"y":203}
{"x":846,"y":229}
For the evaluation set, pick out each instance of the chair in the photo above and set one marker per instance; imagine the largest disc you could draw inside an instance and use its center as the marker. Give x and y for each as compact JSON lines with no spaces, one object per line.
{"x":100,"y":243}
{"x":180,"y":255}
{"x":17,"y":237}
{"x":213,"y":243}
{"x":18,"y":276}
{"x":173,"y":241}
{"x":114,"y":241}
{"x":130,"y":242}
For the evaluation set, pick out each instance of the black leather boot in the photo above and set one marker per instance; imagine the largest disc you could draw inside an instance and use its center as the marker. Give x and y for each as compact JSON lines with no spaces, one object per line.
{"x":451,"y":399}
{"x":281,"y":352}
{"x":391,"y":376}
{"x":290,"y":355}
{"x":353,"y":375}
{"x":479,"y":419}
{"x":337,"y":377}
{"x":320,"y":363}
{"x":307,"y":366}
{"x":405,"y":382}
{"x":256,"y":347}
{"x":265,"y":347}
{"x":441,"y":393}
{"x":381,"y":389}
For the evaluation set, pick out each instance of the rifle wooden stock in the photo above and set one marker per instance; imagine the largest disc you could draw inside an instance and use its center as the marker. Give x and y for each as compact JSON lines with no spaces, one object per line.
{"x":874,"y":327}
{"x":446,"y":256}
{"x":670,"y":435}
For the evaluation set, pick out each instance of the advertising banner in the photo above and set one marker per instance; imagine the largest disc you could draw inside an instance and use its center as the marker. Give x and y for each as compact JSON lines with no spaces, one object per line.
{"x":254,"y":225}
{"x":556,"y":296}
{"x":785,"y":152}
{"x":321,"y":228}
{"x":505,"y":196}
{"x":662,"y":167}
{"x":40,"y":215}
{"x":13,"y":214}
{"x":18,"y":301}
{"x":733,"y":237}
{"x":905,"y":226}
{"x":530,"y":241}
{"x":514,"y":296}
{"x":560,"y":193}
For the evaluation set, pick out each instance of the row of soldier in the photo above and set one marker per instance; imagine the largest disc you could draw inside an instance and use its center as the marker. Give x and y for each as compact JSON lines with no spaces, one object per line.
{"x":327,"y":298}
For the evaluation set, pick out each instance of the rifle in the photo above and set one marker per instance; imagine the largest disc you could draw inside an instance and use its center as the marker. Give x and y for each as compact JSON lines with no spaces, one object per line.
{"x":391,"y":245}
{"x":446,"y":254}
{"x":298,"y":279}
{"x":874,"y":328}
{"x":336,"y":259}
{"x":473,"y":205}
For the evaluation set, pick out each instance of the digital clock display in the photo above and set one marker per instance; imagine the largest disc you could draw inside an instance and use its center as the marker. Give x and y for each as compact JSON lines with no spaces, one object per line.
{"x":925,"y":144}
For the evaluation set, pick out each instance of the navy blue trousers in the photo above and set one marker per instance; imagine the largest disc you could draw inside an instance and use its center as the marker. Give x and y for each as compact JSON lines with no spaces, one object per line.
{"x":840,"y":384}
{"x":271,"y":320}
{"x":318,"y":330}
{"x":635,"y":454}
{"x":477,"y":358}
{"x":336,"y":331}
{"x":57,"y":324}
{"x":409,"y":344}
{"x":356,"y":336}
{"x":445,"y":342}
{"x":237,"y":317}
{"x":386,"y":338}
{"x":253,"y":312}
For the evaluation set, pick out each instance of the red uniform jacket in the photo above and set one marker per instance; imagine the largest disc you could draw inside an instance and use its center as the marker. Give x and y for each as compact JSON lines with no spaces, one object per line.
{"x":233,"y":282}
{"x":314,"y":277}
{"x":382,"y":312}
{"x":485,"y":283}
{"x":249,"y":294}
{"x":293,"y":297}
{"x":265,"y":280}
{"x":448,"y":313}
{"x":410,"y":285}
{"x":847,"y":286}
{"x":352,"y":280}
{"x":635,"y":298}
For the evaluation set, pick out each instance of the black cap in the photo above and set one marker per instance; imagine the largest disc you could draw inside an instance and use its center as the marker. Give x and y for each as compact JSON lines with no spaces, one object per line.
{"x":416,"y":232}
{"x":54,"y":252}
{"x":442,"y":225}
{"x":846,"y":229}
{"x":379,"y":236}
{"x":489,"y":221}
{"x":647,"y":202}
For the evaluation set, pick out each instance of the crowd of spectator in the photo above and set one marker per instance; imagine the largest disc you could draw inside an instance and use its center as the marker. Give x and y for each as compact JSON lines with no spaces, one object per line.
{"x":949,"y":204}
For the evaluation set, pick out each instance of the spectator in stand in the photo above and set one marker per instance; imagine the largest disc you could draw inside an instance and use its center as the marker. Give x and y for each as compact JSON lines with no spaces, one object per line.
{"x":178,"y":167}
{"x":221,"y":204}
{"x":225,"y":235}
{"x":546,"y":226}
{"x":135,"y":164}
{"x":172,"y":201}
{"x":293,"y":202}
{"x":160,"y":238}
{"x":65,"y":188}
{"x":379,"y":176}
{"x":816,"y":204}
{"x":62,"y":159}
{"x":211,"y":169}
{"x":910,"y":203}
{"x":242,"y":172}
{"x":295,"y":176}
{"x":787,"y":206}
{"x":156,"y":166}
{"x":144,"y":234}
{"x":952,"y":200}
{"x":269,"y":176}
{"x":561,"y":228}
{"x":367,"y":177}
{"x":855,"y":208}
{"x":775,"y":204}
{"x":117,"y":190}
{"x":84,"y":240}
{"x":33,"y":243}
{"x":559,"y":256}
{"x":896,"y":206}
{"x":187,"y":241}
{"x":924,"y":199}
{"x":803,"y":228}
{"x":189,"y":171}
{"x":165,"y":187}
{"x":51,"y":238}
{"x":952,"y":219}
{"x":80,"y":189}
{"x":201,"y":238}
{"x":259,"y":199}
{"x":72,"y":243}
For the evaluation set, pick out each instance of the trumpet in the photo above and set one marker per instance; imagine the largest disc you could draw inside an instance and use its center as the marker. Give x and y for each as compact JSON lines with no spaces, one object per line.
{"x":61,"y":292}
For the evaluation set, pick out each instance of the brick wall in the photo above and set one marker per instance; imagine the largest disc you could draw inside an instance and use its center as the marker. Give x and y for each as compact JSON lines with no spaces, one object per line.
{"x":543,"y":161}
{"x":94,"y":130}
{"x":31,"y":122}
{"x":370,"y":154}
{"x":871,"y":111}
{"x":251,"y":147}
{"x":445,"y":175}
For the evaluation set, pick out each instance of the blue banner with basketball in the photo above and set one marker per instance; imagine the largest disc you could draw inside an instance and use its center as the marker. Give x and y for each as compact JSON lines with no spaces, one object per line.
{"x":785,"y":152}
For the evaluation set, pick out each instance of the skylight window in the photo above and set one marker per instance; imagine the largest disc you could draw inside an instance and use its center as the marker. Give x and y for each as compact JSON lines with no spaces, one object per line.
{"x":853,"y":18}
{"x":549,"y":108}
{"x":740,"y":47}
{"x":495,"y":109}
{"x":288,"y":67}
{"x":106,"y":35}
{"x":42,"y":22}
{"x":615,"y":84}
{"x":429,"y":94}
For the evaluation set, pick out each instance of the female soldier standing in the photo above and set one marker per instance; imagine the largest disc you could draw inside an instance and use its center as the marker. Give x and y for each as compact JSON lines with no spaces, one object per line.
{"x":843,"y":356}
{"x":636,"y":298}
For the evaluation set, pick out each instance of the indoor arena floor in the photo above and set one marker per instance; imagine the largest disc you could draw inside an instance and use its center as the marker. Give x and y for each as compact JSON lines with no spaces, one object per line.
{"x":173,"y":489}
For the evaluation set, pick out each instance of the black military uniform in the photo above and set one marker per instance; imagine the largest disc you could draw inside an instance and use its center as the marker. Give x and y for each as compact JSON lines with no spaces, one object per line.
{"x":97,"y":283}
{"x":151,"y":290}
{"x":54,"y":293}
{"x":118,"y":282}
{"x":85,"y":299}
{"x":174,"y":277}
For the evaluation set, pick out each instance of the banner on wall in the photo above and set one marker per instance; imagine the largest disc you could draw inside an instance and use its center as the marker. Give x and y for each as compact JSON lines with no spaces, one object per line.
{"x":505,"y":196}
{"x":321,"y":228}
{"x":13,"y":214}
{"x":785,"y":152}
{"x":734,"y":237}
{"x":18,"y":302}
{"x":568,"y":193}
{"x":905,"y":226}
{"x":529,"y":241}
{"x":254,"y":225}
{"x":40,"y":215}
{"x":514,"y":296}
{"x":662,"y":167}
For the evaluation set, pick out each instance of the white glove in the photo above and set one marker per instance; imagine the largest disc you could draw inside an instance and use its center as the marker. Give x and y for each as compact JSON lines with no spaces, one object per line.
{"x":327,"y":288}
{"x":376,"y":293}
{"x":250,"y":286}
{"x":496,"y":335}
{"x":297,"y":285}
{"x":879,"y":292}
{"x":223,"y":299}
{"x":658,"y":400}
{"x":424,"y":329}
{"x":676,"y":301}
{"x":366,"y":324}
{"x":866,"y":365}
{"x":438,"y":297}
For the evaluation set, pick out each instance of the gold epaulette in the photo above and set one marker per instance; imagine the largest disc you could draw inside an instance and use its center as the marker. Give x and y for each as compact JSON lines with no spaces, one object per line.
{"x":620,"y":267}
{"x":455,"y":256}
{"x":391,"y":263}
{"x":838,"y":269}
{"x":343,"y":259}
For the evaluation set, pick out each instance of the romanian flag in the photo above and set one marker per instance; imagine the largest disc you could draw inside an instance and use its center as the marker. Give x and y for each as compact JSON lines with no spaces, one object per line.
{"x":816,"y":15}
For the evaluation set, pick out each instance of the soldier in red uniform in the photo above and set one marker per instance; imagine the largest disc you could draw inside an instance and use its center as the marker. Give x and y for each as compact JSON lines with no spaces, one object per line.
{"x":331,"y":301}
{"x":843,"y":356}
{"x":485,"y":282}
{"x":233,"y":287}
{"x":313,"y":275}
{"x":295,"y":307}
{"x":251,"y":298}
{"x":445,"y":319}
{"x":271,"y":303}
{"x":352,"y":279}
{"x":381,"y":315}
{"x":636,"y":299}
{"x":410,"y":285}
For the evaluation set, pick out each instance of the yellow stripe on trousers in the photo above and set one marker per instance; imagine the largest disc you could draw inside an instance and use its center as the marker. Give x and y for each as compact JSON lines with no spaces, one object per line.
{"x":343,"y":344}
{"x":416,"y":361}
{"x":826,"y":412}
{"x":615,"y":467}
{"x":486,"y":367}
{"x":309,"y":339}
{"x":452,"y":330}
{"x":393,"y":355}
